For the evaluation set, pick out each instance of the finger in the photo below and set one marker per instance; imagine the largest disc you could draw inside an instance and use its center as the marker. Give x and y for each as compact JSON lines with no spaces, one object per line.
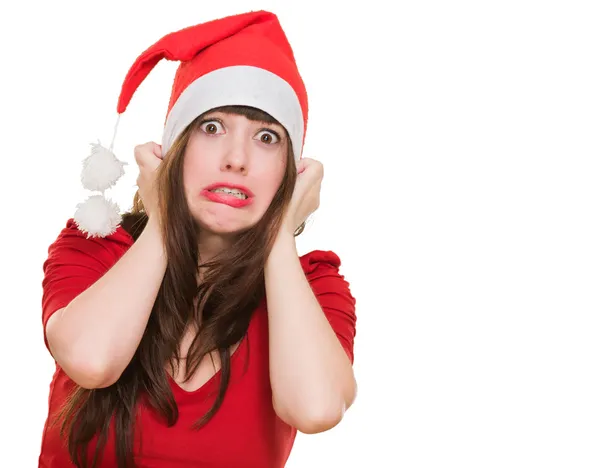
{"x":312,"y":167}
{"x":148,"y":155}
{"x":157,"y":150}
{"x":301,"y":166}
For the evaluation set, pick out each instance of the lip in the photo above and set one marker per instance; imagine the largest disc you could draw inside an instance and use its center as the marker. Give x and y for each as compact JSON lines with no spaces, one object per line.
{"x":228,"y":199}
{"x":246,"y":190}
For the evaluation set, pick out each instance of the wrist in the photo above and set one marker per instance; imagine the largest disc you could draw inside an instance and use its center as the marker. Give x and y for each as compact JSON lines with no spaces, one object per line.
{"x":285,"y":243}
{"x":285,"y":235}
{"x":152,"y":225}
{"x":286,"y":229}
{"x":153,"y":229}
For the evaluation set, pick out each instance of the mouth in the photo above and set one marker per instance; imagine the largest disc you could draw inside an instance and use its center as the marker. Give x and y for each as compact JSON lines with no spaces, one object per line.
{"x":233,"y":195}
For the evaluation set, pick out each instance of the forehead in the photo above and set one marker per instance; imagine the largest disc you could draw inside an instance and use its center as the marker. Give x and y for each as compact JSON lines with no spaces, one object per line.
{"x":230,"y":115}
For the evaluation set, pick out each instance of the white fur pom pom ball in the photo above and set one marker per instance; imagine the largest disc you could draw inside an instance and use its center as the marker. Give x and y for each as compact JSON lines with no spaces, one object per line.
{"x":97,"y":216}
{"x":101,"y":169}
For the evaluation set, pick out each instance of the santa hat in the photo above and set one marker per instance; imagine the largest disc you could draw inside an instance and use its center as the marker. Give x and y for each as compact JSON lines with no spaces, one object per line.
{"x":243,"y":59}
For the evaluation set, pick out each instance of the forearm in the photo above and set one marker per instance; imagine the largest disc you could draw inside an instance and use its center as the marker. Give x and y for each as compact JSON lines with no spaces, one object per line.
{"x":99,"y":331}
{"x":311,"y":375}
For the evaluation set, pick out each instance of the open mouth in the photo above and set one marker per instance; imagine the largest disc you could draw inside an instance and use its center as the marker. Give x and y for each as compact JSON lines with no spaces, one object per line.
{"x":236,"y":197}
{"x":233,"y":192}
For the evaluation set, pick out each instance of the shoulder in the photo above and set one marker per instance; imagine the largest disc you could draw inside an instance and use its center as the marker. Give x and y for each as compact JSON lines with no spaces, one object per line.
{"x":322,"y":270}
{"x":319,"y":259}
{"x":71,"y":231}
{"x":72,"y":243}
{"x":333,"y":293}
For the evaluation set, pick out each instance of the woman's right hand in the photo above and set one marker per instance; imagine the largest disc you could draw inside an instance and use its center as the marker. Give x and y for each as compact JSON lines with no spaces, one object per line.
{"x":148,"y":157}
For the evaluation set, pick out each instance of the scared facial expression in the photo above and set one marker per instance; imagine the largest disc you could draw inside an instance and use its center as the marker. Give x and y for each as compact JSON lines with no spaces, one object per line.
{"x":232,"y":169}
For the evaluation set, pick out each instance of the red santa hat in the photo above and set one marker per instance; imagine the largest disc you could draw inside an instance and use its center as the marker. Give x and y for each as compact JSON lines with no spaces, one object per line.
{"x":243,"y":59}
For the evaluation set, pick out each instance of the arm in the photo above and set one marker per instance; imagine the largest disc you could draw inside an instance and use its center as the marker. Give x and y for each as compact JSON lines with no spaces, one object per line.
{"x":311,"y":374}
{"x":95,"y":336}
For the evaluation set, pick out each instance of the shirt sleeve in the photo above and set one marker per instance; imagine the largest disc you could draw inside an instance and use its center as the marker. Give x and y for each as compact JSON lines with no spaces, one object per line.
{"x":73,"y":264}
{"x":331,"y":289}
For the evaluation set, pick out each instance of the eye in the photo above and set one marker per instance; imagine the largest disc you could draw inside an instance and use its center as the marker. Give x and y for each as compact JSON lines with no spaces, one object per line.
{"x":269,"y":137}
{"x":210,"y":126}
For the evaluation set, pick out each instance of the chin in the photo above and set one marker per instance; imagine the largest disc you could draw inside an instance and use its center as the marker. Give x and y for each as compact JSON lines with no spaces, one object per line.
{"x":222,"y":231}
{"x":223,"y":220}
{"x":223,"y":227}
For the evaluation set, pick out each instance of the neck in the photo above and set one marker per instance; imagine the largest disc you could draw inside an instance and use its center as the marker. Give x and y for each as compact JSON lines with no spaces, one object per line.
{"x":211,"y":244}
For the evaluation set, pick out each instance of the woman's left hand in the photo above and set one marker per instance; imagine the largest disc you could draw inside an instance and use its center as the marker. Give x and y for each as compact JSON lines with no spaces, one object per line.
{"x":306,"y":197}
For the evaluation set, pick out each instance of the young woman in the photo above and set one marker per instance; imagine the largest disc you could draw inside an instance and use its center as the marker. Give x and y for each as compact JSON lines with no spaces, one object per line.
{"x":192,"y":334}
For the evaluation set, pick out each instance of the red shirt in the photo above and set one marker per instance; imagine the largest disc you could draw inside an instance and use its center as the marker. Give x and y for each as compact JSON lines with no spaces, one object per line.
{"x":246,"y":431}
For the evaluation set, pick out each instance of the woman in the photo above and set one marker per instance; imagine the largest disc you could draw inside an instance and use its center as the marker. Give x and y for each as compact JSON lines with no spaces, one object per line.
{"x":166,"y":351}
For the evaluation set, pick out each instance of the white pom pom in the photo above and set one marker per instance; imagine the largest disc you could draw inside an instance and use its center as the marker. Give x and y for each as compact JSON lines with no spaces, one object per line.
{"x":101,"y":169}
{"x":97,"y":216}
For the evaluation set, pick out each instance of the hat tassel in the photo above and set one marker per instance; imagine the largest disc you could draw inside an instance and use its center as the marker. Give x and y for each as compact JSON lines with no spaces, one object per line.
{"x":98,"y":216}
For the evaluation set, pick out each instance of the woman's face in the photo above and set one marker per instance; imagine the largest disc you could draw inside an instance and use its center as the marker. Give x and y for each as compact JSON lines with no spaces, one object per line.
{"x":232,"y":168}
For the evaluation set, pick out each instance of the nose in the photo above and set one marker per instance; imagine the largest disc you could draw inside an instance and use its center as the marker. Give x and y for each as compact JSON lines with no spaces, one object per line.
{"x":236,"y":158}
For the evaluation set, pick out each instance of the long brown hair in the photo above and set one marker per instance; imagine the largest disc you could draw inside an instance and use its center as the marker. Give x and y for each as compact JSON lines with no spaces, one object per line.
{"x":231,"y":288}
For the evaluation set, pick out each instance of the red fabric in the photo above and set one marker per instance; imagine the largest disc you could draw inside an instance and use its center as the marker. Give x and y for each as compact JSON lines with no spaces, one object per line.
{"x":245,"y":432}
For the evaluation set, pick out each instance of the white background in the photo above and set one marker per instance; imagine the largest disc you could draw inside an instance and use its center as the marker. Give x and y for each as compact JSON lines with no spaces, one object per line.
{"x":460,"y":144}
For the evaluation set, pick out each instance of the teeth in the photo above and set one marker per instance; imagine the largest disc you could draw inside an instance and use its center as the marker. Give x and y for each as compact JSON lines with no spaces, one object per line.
{"x":235,"y":192}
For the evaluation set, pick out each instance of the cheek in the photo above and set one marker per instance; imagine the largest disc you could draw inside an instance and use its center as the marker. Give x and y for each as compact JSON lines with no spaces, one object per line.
{"x":192,"y":170}
{"x":270,"y":179}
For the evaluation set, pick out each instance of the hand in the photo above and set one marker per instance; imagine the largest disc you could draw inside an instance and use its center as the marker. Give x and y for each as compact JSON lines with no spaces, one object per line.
{"x":306,"y":197}
{"x":148,"y":157}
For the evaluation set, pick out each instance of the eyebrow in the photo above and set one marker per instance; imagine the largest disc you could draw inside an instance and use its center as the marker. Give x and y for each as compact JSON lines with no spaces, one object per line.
{"x":218,"y":115}
{"x":271,"y":126}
